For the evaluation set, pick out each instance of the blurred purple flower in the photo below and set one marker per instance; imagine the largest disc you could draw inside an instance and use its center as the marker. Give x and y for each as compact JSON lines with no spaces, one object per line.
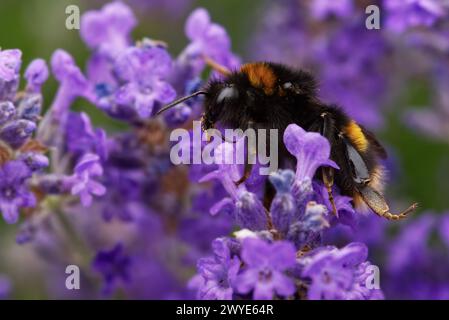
{"x":14,"y":193}
{"x":114,"y":266}
{"x":108,"y":30}
{"x":144,"y":71}
{"x":417,"y":260}
{"x":83,"y":183}
{"x":402,"y":15}
{"x":264,"y":269}
{"x":208,"y":40}
{"x":82,"y":138}
{"x":353,"y":79}
{"x":283,"y":17}
{"x":34,"y":161}
{"x":36,"y":74}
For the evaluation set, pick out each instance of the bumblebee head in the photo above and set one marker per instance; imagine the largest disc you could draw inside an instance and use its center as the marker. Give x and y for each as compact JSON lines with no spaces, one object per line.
{"x":252,"y":94}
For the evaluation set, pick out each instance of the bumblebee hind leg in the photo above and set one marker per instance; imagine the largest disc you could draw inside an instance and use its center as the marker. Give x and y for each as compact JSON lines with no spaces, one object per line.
{"x":328,"y":179}
{"x":377,"y":203}
{"x":327,"y":172}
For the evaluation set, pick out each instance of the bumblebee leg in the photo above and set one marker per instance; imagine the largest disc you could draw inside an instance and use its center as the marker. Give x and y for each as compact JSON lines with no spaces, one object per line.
{"x":216,"y":66}
{"x":377,"y":203}
{"x":249,"y":160}
{"x":246,"y":173}
{"x":328,"y":179}
{"x":328,"y":173}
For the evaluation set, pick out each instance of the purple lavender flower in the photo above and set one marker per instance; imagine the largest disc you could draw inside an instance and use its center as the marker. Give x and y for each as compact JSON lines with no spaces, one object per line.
{"x":34,"y":161}
{"x":36,"y":74}
{"x":108,"y":30}
{"x":338,"y":273}
{"x":10,"y":63}
{"x":29,"y":107}
{"x":248,"y":210}
{"x":265,"y":265}
{"x":178,"y":115}
{"x":82,"y":137}
{"x":208,"y":40}
{"x":144,"y":71}
{"x":310,"y":149}
{"x":7,"y":112}
{"x":403,"y":15}
{"x":306,"y":230}
{"x":83,"y":183}
{"x":114,"y":266}
{"x":14,"y":193}
{"x":218,"y":273}
{"x":283,"y":207}
{"x":17,"y":132}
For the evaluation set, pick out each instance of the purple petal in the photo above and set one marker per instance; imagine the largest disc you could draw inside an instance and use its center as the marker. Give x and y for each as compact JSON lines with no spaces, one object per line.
{"x":283,"y":255}
{"x":10,"y":62}
{"x":311,"y":150}
{"x":36,"y":74}
{"x":197,"y":24}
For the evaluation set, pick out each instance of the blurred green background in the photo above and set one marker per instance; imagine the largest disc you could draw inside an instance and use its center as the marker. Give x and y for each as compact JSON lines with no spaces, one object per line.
{"x":37,"y":27}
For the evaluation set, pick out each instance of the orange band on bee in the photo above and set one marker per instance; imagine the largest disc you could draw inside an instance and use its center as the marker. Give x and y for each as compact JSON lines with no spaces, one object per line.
{"x":261,"y":76}
{"x":356,"y":136}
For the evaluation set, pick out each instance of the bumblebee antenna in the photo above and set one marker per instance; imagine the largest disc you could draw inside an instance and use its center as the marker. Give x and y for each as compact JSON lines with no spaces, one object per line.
{"x":178,"y":101}
{"x":217,"y":67}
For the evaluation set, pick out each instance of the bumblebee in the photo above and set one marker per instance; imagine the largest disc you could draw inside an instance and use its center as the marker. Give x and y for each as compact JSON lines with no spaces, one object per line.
{"x":272,"y":96}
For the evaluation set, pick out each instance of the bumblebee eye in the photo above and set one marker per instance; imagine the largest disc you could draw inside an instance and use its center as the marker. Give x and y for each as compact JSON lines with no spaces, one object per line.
{"x":287,"y":86}
{"x":228,"y":92}
{"x":290,"y":87}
